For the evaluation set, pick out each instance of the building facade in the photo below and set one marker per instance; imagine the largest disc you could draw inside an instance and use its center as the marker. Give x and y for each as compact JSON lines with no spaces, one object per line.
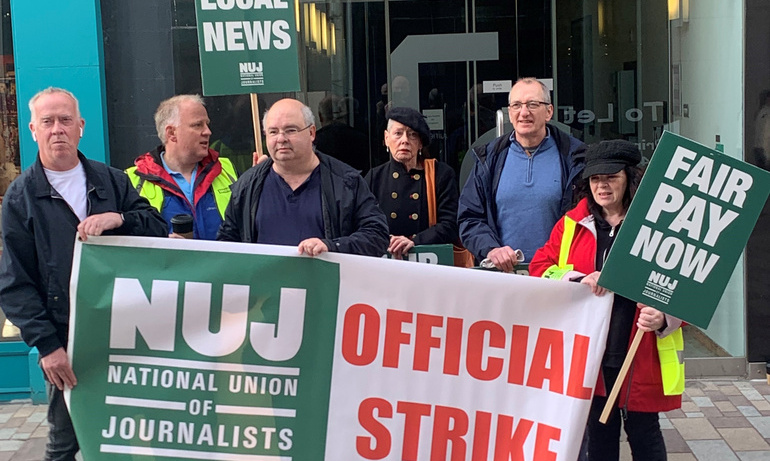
{"x":618,"y":69}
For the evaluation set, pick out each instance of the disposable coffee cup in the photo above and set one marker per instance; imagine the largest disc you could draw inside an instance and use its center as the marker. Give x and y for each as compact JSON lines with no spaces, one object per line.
{"x":182,"y":224}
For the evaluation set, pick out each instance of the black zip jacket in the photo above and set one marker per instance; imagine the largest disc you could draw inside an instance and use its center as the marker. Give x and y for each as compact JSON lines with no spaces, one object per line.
{"x":39,"y":230}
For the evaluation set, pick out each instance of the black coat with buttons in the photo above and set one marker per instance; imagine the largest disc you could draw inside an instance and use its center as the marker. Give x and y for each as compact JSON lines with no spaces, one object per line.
{"x":402,"y":197}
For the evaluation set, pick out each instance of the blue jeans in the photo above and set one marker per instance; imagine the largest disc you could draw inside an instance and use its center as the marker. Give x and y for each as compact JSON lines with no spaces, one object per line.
{"x":62,"y":444}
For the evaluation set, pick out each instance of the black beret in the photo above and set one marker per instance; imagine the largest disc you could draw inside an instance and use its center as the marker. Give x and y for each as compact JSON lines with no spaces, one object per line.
{"x":609,"y":157}
{"x":412,"y":119}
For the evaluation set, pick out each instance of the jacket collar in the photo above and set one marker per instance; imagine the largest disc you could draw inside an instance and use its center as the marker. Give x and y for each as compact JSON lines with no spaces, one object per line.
{"x":44,"y":189}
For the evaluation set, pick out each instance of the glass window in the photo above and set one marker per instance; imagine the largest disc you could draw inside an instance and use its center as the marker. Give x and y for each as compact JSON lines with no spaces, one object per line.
{"x":9,"y":130}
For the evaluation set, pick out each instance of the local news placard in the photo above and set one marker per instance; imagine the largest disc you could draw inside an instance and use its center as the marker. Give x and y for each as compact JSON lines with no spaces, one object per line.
{"x":247,"y":46}
{"x":210,"y":350}
{"x":685,"y":229}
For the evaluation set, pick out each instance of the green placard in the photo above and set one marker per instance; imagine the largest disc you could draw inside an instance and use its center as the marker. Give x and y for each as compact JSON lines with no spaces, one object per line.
{"x":685,"y":229}
{"x":247,"y":46}
{"x":240,"y":365}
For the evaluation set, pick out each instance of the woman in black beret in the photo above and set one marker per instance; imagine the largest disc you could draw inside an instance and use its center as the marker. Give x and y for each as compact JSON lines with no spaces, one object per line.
{"x":401,"y":186}
{"x":576,"y":252}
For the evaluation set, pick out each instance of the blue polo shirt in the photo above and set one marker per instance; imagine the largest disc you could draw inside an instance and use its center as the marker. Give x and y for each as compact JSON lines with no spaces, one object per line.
{"x":184,"y":186}
{"x":287,"y":217}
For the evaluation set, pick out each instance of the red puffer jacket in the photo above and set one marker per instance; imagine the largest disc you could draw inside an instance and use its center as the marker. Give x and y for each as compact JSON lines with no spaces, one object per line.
{"x":642,"y":389}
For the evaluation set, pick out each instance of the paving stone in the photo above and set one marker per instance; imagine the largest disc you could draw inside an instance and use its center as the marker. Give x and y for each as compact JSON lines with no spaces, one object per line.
{"x":762,"y":423}
{"x":665,"y":423}
{"x":694,"y":414}
{"x":729,"y":390}
{"x":21,"y":436}
{"x":725,"y":406}
{"x":739,"y":400}
{"x":694,"y":392}
{"x":37,"y":417}
{"x":695,"y":428}
{"x":752,"y":394}
{"x":14,"y":422}
{"x":674,"y":441}
{"x":675,"y":414}
{"x":703,"y":402}
{"x":10,"y":408}
{"x":10,"y":445}
{"x":689,"y":407}
{"x":32,"y":450}
{"x":709,"y":386}
{"x":751,"y":455}
{"x":681,"y":457}
{"x":731,"y":414}
{"x":40,"y":432}
{"x":5,"y":417}
{"x":712,"y":450}
{"x":711,"y":412}
{"x":744,"y":439}
{"x":7,"y":433}
{"x":761,"y":404}
{"x":762,"y":388}
{"x":6,"y":455}
{"x":716,"y":396}
{"x":739,"y":421}
{"x":24,"y":411}
{"x":748,"y":410}
{"x":28,"y":427}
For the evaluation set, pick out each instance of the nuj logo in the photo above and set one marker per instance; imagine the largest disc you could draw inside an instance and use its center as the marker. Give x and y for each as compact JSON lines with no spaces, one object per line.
{"x":250,"y":67}
{"x":662,"y":280}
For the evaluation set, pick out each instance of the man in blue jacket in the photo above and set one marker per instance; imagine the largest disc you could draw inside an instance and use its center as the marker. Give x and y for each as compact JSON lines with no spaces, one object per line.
{"x":62,"y":194}
{"x":522,"y":182}
{"x":303,"y":198}
{"x":183,"y":175}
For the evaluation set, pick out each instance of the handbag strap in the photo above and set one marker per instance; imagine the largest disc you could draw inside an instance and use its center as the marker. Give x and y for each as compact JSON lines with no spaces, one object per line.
{"x":430,"y":186}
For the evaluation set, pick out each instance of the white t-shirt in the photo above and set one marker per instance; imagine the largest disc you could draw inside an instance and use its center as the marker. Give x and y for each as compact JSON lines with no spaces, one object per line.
{"x":71,"y":185}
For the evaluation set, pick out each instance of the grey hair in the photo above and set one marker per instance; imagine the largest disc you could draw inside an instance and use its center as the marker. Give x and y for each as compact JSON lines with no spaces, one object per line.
{"x":307,"y":115}
{"x":52,"y":90}
{"x":168,"y":112}
{"x":530,"y":80}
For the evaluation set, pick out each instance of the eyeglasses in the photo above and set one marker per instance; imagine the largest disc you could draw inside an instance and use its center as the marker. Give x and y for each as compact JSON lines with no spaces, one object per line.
{"x":531,"y":105}
{"x":411,"y":135}
{"x":289,"y":132}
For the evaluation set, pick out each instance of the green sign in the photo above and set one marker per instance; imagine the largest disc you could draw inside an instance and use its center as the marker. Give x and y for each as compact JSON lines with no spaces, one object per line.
{"x":685,"y":229}
{"x":441,"y":254}
{"x":247,"y":46}
{"x":188,"y":366}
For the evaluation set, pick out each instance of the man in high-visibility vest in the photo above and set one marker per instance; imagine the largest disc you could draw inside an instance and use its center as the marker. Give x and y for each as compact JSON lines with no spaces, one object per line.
{"x":183,"y":175}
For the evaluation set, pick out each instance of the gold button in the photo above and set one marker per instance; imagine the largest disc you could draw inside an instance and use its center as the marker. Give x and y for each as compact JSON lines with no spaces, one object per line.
{"x":414,"y":216}
{"x":395,"y":175}
{"x":393,"y":215}
{"x":415,"y":196}
{"x":416,"y":176}
{"x":394,"y":195}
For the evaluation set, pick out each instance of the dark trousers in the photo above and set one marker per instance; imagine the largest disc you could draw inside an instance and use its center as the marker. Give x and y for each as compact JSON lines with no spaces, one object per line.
{"x":62,"y":444}
{"x":642,"y":429}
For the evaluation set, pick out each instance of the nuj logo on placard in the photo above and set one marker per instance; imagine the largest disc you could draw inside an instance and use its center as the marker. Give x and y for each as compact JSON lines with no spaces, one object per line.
{"x":251,"y":73}
{"x":660,"y":286}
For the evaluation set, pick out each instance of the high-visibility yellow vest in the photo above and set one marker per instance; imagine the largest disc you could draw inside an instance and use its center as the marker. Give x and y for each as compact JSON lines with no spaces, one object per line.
{"x":221,"y":187}
{"x":670,"y":348}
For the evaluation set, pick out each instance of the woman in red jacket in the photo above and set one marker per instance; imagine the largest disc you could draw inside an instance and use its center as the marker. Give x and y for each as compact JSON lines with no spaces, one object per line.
{"x":613,"y":177}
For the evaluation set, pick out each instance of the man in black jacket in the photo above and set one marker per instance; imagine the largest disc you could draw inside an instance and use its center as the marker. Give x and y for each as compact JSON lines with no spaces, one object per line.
{"x":62,"y":194}
{"x":303,"y":198}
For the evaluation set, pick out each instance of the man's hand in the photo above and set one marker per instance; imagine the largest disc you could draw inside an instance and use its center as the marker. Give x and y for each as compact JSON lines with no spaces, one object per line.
{"x":591,"y":280}
{"x":504,"y":258}
{"x":98,"y":223}
{"x":312,"y":247}
{"x":256,"y":158}
{"x":58,"y":370}
{"x":650,"y":319}
{"x":399,"y":246}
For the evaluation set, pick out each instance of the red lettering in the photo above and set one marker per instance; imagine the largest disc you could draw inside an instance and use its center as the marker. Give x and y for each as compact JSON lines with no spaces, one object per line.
{"x":449,"y":426}
{"x":351,"y":334}
{"x":424,"y":339}
{"x":475,"y":358}
{"x":577,"y":369}
{"x":509,"y":444}
{"x":481,"y":431}
{"x":518,"y":357}
{"x":413,"y":413}
{"x":394,"y":336}
{"x":380,"y":433}
{"x":453,"y":345}
{"x":545,"y":434}
{"x":550,"y":343}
